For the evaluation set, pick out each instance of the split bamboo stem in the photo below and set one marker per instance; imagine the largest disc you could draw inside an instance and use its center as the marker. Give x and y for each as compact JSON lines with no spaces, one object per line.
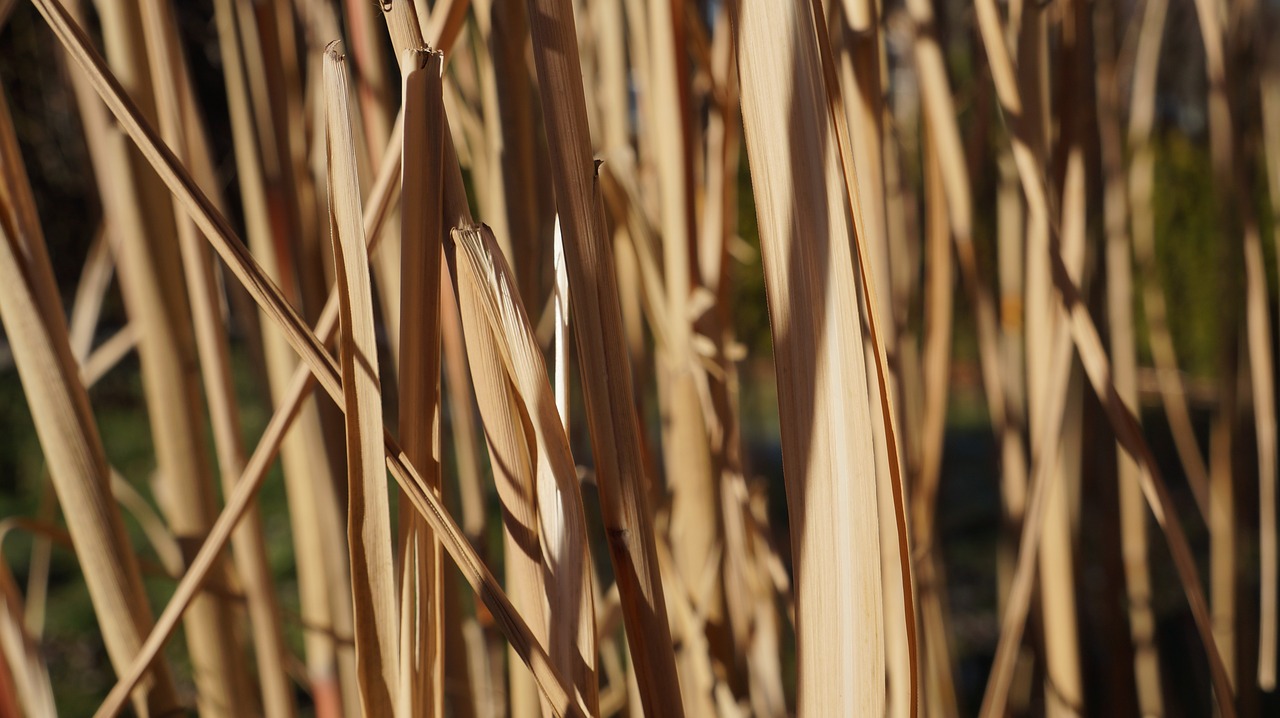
{"x":561,"y":525}
{"x":368,"y":505}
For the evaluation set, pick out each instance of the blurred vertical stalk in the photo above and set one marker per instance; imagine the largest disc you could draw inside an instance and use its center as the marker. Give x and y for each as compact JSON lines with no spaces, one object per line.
{"x":1120,"y":309}
{"x":318,"y":538}
{"x":695,"y":516}
{"x":939,"y":686}
{"x":1235,"y":208}
{"x":1141,"y":183}
{"x":1064,"y":690}
{"x":155,"y":295}
{"x":180,"y":124}
{"x":36,"y":330}
{"x":1269,"y":80}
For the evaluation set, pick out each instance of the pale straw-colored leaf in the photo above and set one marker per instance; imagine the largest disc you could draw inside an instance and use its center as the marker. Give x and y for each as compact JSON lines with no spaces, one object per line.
{"x":37,"y":334}
{"x":1085,"y":336}
{"x":318,"y":363}
{"x":368,"y":504}
{"x":602,"y":355}
{"x":562,"y":531}
{"x":824,"y":406}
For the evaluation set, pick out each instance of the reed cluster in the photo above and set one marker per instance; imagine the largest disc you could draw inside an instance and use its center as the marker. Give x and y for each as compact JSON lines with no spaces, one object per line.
{"x":421,"y":206}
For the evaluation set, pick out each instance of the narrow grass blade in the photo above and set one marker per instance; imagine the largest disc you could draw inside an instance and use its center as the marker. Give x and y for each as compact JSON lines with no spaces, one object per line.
{"x":368,"y":511}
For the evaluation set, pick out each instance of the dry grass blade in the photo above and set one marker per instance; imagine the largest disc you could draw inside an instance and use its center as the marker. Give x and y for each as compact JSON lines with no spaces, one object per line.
{"x":368,"y":511}
{"x":602,"y":355}
{"x":422,"y":583}
{"x":822,"y":380}
{"x":879,"y":339}
{"x":290,"y":404}
{"x":1141,"y":185}
{"x":1097,"y":366}
{"x":1270,"y":573}
{"x":318,"y":361}
{"x":21,"y":655}
{"x":37,"y":334}
{"x":1120,"y":306}
{"x":561,"y":522}
{"x":171,"y":84}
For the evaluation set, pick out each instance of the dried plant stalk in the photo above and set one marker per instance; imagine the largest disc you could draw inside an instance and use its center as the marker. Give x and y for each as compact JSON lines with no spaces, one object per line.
{"x":153,"y":287}
{"x":1267,"y":524}
{"x":1097,"y":367}
{"x":314,"y":513}
{"x":36,"y":330}
{"x":229,"y":247}
{"x":885,"y":431}
{"x":561,"y":525}
{"x":422,"y":585}
{"x":368,"y":508}
{"x":30,"y":692}
{"x":936,"y":369}
{"x":602,"y":356}
{"x":822,"y":388}
{"x":694,"y":522}
{"x":1133,"y":515}
{"x":249,"y":546}
{"x":1141,"y":194}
